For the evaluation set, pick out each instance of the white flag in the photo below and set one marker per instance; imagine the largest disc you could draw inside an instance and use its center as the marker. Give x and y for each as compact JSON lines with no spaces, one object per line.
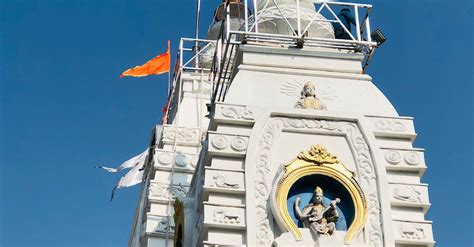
{"x":134,"y":175}
{"x":129,"y":163}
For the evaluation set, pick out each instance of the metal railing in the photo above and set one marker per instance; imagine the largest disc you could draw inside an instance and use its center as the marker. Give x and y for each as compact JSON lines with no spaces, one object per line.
{"x":194,"y":56}
{"x":298,"y":21}
{"x":216,"y":57}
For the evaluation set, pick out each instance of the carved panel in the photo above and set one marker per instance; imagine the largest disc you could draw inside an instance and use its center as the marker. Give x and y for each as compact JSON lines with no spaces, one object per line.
{"x":409,"y":194}
{"x":160,"y":224}
{"x":413,"y":232}
{"x":234,"y":113}
{"x":164,"y":191}
{"x":182,"y":135}
{"x":398,"y":159}
{"x":366,"y":174}
{"x":224,"y":180}
{"x":164,"y":159}
{"x":230,"y":217}
{"x":231,"y":144}
{"x":393,"y":127}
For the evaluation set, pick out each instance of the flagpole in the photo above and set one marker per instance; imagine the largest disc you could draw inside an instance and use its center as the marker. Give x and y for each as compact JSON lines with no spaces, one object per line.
{"x":169,"y":83}
{"x":169,"y":71}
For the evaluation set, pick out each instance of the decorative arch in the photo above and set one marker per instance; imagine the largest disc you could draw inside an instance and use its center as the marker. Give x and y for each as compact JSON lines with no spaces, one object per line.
{"x":317,"y":162}
{"x":259,"y":162}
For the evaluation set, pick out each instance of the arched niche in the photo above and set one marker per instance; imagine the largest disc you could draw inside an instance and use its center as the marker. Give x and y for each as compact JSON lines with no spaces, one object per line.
{"x":310,"y":169}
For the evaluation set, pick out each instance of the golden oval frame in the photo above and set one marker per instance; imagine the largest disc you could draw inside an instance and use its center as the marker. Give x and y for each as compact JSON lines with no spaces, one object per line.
{"x":300,"y":168}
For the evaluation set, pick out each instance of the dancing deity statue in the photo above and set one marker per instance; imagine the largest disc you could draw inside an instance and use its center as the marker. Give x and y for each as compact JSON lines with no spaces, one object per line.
{"x":319,"y":218}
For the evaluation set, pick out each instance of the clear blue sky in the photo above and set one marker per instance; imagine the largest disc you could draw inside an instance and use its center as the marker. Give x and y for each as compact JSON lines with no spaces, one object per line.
{"x":64,"y":110}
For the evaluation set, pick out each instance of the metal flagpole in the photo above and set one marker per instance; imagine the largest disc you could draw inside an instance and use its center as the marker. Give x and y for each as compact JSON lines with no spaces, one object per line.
{"x":169,"y":70}
{"x":196,"y":45}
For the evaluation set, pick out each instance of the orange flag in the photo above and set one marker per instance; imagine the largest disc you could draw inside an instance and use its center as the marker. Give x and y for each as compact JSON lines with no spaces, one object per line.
{"x":157,"y":65}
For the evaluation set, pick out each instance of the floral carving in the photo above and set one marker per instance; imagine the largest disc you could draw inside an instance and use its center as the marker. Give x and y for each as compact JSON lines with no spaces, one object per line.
{"x":390,"y":125}
{"x":219,"y":142}
{"x":412,"y":158}
{"x":238,"y":144}
{"x":181,"y":160}
{"x":393,"y":157}
{"x":237,"y":112}
{"x":165,"y":158}
{"x":181,"y":135}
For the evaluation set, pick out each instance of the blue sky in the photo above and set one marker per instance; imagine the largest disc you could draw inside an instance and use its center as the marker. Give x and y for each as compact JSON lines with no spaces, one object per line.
{"x":63,"y":108}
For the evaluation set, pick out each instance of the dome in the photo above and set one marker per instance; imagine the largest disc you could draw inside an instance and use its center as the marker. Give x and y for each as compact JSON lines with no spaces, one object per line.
{"x":271,"y":20}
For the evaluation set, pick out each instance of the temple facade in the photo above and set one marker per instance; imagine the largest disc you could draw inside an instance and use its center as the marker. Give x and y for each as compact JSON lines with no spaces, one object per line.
{"x":276,"y":136}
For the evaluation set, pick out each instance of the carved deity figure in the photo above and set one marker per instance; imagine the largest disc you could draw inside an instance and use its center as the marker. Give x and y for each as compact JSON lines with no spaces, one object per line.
{"x":308,"y":98}
{"x":319,"y":218}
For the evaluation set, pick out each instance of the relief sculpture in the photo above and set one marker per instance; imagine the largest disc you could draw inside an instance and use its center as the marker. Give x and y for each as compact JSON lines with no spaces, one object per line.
{"x":308,"y":98}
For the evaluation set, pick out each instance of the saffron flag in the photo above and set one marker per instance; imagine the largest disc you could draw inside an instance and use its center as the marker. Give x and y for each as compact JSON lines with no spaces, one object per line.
{"x":157,"y":65}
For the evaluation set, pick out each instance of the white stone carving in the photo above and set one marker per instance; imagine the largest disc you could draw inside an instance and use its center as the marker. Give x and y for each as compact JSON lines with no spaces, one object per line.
{"x":219,"y":142}
{"x":238,"y":144}
{"x":228,"y":143}
{"x":221,"y":181}
{"x":164,"y":191}
{"x":193,"y":161}
{"x":407,"y":193}
{"x":237,"y":113}
{"x":181,"y":135}
{"x":390,"y":125}
{"x":158,"y":190}
{"x":178,"y":191}
{"x":293,"y":88}
{"x":412,"y":158}
{"x":393,"y":157}
{"x":181,"y":160}
{"x":226,"y":216}
{"x":364,"y":165}
{"x":412,"y":231}
{"x":165,"y":158}
{"x":164,"y":225}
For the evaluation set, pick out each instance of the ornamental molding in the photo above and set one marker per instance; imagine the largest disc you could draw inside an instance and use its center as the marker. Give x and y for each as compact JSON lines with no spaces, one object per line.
{"x":234,"y":112}
{"x":182,"y":135}
{"x":395,"y":157}
{"x":412,"y":158}
{"x":164,"y":225}
{"x":390,"y":125}
{"x":165,"y":191}
{"x":165,"y":159}
{"x":365,"y":171}
{"x":228,"y":143}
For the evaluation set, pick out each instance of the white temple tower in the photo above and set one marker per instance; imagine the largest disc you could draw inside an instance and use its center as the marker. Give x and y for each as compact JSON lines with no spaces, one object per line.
{"x":275,"y":136}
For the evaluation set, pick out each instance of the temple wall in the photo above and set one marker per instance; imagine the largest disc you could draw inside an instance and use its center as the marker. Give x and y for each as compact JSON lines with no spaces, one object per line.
{"x":257,"y":130}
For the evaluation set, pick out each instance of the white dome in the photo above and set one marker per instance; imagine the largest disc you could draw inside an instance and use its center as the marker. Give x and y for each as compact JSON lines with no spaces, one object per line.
{"x":271,"y":20}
